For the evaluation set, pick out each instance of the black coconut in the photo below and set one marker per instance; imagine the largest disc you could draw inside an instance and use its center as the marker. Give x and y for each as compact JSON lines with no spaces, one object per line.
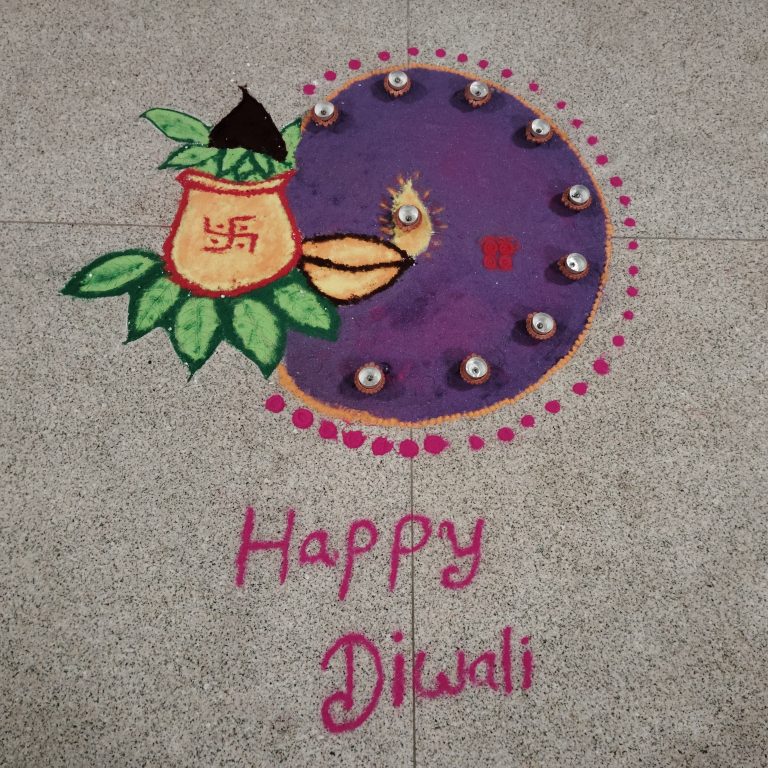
{"x":249,"y":126}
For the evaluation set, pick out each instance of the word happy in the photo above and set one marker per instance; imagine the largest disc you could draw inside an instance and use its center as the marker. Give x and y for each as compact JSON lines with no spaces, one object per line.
{"x":315,"y":549}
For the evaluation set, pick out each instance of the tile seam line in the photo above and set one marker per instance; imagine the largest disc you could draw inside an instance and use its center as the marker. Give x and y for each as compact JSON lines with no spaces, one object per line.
{"x":411,"y":500}
{"x":411,"y":495}
{"x":671,"y":238}
{"x":413,"y":619}
{"x":676,"y":238}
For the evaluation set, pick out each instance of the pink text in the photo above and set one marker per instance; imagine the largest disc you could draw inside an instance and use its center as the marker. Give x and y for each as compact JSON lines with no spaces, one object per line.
{"x":410,"y":534}
{"x":349,"y":707}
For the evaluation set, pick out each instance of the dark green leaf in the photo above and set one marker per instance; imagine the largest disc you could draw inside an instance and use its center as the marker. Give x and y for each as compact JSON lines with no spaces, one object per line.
{"x":112,"y":274}
{"x":185,"y":157}
{"x":258,"y":333}
{"x":196,"y":331}
{"x":305,"y":309}
{"x":150,"y":305}
{"x":178,"y":125}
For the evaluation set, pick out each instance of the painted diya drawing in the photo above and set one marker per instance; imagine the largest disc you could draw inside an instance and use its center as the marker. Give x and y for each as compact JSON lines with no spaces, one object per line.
{"x":420,"y":245}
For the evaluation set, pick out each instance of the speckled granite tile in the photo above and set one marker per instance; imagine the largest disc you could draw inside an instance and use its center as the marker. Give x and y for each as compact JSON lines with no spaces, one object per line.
{"x":79,"y":74}
{"x":673,"y":91}
{"x":627,"y":536}
{"x":123,"y":638}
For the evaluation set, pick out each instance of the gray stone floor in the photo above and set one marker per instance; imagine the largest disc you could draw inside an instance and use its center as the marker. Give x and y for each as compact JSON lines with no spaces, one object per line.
{"x":626,"y":535}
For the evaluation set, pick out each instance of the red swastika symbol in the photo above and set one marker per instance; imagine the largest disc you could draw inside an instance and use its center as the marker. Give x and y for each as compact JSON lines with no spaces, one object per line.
{"x":233,"y":234}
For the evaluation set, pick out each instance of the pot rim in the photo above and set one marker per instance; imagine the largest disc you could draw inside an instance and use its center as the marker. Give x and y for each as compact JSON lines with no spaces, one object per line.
{"x":191,"y":178}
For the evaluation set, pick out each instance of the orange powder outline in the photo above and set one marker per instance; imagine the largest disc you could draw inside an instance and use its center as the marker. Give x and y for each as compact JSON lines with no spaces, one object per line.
{"x":363,"y":417}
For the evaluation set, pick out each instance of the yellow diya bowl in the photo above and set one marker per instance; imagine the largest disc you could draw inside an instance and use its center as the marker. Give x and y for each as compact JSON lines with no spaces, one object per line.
{"x":230,"y":237}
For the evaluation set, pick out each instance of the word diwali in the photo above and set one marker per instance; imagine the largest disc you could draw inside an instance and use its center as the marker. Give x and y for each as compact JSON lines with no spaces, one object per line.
{"x":411,"y":533}
{"x":347,"y":708}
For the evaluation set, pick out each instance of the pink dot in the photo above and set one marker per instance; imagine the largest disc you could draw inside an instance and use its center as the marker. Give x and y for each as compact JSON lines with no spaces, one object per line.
{"x":525,"y":640}
{"x":397,"y":636}
{"x":632,"y":291}
{"x":625,"y":200}
{"x":601,"y":159}
{"x":412,"y":51}
{"x":302,"y":418}
{"x":476,"y":443}
{"x":328,"y":430}
{"x":440,"y":53}
{"x":409,"y":449}
{"x":561,"y":105}
{"x":533,"y":87}
{"x":507,"y":73}
{"x":601,"y":366}
{"x":384,"y":55}
{"x":330,"y":75}
{"x":592,"y":140}
{"x":354,"y":64}
{"x":462,"y":57}
{"x":353,"y":438}
{"x":483,"y":64}
{"x":527,"y":421}
{"x":505,"y":434}
{"x":435,"y":444}
{"x":553,"y":406}
{"x":616,"y":181}
{"x":576,"y":123}
{"x":633,"y":269}
{"x":275,"y":403}
{"x":628,"y":314}
{"x":632,"y":245}
{"x":618,"y":341}
{"x":309,"y":89}
{"x":381,"y":446}
{"x":629,"y":222}
{"x":580,"y":388}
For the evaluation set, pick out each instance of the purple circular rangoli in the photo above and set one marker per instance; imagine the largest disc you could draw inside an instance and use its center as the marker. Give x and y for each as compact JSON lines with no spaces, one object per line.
{"x":500,"y":229}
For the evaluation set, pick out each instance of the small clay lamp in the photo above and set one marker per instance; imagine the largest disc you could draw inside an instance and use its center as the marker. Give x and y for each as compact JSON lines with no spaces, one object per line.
{"x":539,"y":131}
{"x":397,"y":83}
{"x":574,"y":266}
{"x":407,"y":217}
{"x":540,"y":326}
{"x":324,"y":114}
{"x":577,"y":197}
{"x":370,"y":378}
{"x":477,"y":93}
{"x":475,"y":369}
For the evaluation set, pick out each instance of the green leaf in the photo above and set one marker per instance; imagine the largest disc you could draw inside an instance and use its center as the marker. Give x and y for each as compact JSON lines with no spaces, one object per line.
{"x":278,"y":167}
{"x":266,"y":162}
{"x":212,"y":165}
{"x":231,"y":159}
{"x":185,"y":157}
{"x":178,"y":125}
{"x":196,"y":331}
{"x":258,"y":333}
{"x":305,"y":309}
{"x":112,"y":274}
{"x":251,"y":169}
{"x":149,"y":306}
{"x":291,"y":136}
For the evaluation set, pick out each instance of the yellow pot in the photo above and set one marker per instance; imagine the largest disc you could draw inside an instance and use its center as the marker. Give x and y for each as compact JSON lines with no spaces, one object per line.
{"x":231,"y":237}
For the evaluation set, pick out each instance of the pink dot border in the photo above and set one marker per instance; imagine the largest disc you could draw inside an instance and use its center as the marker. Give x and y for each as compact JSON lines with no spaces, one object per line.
{"x":433,"y":444}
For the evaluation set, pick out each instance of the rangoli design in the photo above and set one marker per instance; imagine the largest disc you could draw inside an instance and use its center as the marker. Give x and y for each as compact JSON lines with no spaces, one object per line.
{"x":421,"y":245}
